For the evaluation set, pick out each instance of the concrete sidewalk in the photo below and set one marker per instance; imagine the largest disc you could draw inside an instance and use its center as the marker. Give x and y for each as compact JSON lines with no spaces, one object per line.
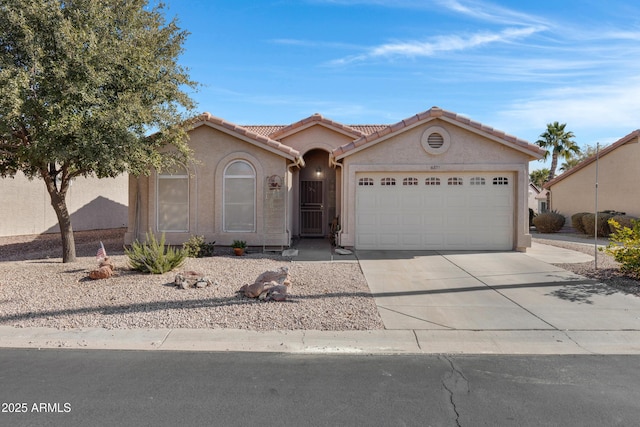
{"x":431,"y":303}
{"x":540,"y":342}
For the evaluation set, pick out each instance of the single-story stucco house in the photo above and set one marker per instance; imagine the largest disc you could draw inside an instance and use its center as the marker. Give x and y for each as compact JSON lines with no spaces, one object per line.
{"x":435,"y":181}
{"x":618,"y":169}
{"x":534,"y":192}
{"x":94,"y":204}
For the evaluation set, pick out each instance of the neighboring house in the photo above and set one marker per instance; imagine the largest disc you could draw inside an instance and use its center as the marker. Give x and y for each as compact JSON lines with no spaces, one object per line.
{"x":532,"y":201}
{"x":537,"y":198}
{"x":434,"y":181}
{"x":618,"y":168}
{"x":542,"y":200}
{"x":94,"y":204}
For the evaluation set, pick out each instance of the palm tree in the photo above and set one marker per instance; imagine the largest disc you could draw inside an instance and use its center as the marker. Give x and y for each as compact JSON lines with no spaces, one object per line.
{"x":570,"y":163}
{"x":539,"y":177}
{"x":559,"y":143}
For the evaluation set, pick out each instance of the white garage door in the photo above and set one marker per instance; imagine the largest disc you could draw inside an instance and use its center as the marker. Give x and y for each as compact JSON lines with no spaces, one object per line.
{"x":434,"y":211}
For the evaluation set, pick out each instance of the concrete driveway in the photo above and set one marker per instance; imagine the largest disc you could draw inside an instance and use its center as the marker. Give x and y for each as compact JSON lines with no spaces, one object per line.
{"x":423,"y":290}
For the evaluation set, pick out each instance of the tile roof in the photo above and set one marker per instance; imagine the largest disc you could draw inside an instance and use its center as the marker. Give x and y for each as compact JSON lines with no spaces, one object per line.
{"x":265,"y":130}
{"x":632,"y":137}
{"x":315,"y":119}
{"x":247,"y":134}
{"x":269,"y":130}
{"x":268,"y":135}
{"x":437,"y":112}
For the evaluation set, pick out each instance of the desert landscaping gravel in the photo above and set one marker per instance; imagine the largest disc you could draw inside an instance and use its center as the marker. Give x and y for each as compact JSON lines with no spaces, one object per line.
{"x":37,"y":289}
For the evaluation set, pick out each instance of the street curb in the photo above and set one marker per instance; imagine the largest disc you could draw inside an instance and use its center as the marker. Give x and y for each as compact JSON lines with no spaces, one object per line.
{"x":380,"y":342}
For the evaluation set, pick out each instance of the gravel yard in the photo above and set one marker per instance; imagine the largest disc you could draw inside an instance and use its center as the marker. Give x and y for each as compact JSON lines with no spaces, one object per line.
{"x":608,"y":271}
{"x":37,"y":289}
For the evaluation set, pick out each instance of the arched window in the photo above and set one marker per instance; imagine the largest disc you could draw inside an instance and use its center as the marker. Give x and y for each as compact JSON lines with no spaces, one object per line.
{"x":410,"y":181}
{"x":387,"y":181}
{"x":432,"y":180}
{"x":500,"y":180}
{"x":173,"y":199}
{"x":239,"y":197}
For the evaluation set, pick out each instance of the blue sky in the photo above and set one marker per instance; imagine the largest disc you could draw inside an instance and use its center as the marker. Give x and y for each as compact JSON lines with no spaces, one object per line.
{"x":513,"y":65}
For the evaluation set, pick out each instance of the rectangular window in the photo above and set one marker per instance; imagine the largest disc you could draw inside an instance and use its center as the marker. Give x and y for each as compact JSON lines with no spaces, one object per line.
{"x":239,"y":197}
{"x":173,"y":203}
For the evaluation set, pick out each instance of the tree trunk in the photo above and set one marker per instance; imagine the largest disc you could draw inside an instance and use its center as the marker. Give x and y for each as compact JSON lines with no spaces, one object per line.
{"x":59,"y":203}
{"x":554,"y":165}
{"x":66,"y":230}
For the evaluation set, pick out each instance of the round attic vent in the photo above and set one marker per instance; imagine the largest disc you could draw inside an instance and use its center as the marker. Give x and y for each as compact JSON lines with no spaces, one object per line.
{"x":435,"y":140}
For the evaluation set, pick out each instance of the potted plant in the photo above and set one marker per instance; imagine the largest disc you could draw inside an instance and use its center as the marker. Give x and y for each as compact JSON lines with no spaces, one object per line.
{"x":239,"y":247}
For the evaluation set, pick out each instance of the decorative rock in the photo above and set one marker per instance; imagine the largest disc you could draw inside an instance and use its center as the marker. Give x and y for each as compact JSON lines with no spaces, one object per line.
{"x":202,"y":282}
{"x":280,"y":276}
{"x":270,"y":285}
{"x":191,"y":279}
{"x":342,"y":251}
{"x":252,"y":291}
{"x":104,"y":270}
{"x":101,"y":273}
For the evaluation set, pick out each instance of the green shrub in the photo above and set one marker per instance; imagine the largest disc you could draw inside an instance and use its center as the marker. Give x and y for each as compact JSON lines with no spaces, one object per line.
{"x":197,"y":248}
{"x":549,"y":222}
{"x":154,"y":256}
{"x":576,"y":221}
{"x":239,"y":244}
{"x":589,"y":222}
{"x":625,"y":247}
{"x":623,"y":221}
{"x":532,"y":215}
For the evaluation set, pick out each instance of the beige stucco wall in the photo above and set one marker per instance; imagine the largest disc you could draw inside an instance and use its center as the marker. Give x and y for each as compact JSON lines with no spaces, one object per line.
{"x":324,"y":139}
{"x":618,"y":189}
{"x":25,"y":205}
{"x":531,"y":200}
{"x":468,"y":152}
{"x":213,"y":151}
{"x":316,"y":136}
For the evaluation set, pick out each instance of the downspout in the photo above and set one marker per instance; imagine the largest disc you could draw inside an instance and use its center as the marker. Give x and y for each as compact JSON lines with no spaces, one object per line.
{"x":297,"y":162}
{"x":136,"y":221}
{"x":333,"y":163}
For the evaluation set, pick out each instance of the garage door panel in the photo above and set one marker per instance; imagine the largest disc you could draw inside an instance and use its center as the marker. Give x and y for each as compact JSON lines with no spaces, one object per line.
{"x":436,"y":217}
{"x":389,"y":201}
{"x":434,"y":220}
{"x":412,"y":220}
{"x":386,"y":220}
{"x":502,"y":200}
{"x":412,"y":240}
{"x":455,"y":201}
{"x":433,"y":241}
{"x":455,"y":240}
{"x":389,"y":240}
{"x":367,"y":241}
{"x":411,"y":201}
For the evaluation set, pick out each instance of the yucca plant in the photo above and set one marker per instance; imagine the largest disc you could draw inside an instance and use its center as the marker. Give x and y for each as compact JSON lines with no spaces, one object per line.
{"x":154,"y":256}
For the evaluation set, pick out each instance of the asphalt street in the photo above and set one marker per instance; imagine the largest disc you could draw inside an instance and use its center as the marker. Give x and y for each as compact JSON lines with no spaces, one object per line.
{"x":133,"y":388}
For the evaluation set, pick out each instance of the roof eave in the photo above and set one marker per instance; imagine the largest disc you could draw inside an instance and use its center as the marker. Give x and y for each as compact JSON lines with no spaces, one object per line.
{"x":245,"y":135}
{"x":633,"y":137}
{"x":534,"y":152}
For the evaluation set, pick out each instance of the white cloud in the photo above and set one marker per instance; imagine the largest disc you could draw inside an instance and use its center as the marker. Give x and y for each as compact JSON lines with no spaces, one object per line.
{"x":449,"y":43}
{"x":614,"y":108}
{"x":485,"y":11}
{"x":439,"y":44}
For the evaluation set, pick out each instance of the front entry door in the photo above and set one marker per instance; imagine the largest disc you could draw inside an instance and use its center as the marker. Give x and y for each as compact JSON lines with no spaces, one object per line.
{"x":311,"y":208}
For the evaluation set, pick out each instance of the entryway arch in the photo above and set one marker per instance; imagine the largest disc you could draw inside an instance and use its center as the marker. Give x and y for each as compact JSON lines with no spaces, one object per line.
{"x":317,"y":194}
